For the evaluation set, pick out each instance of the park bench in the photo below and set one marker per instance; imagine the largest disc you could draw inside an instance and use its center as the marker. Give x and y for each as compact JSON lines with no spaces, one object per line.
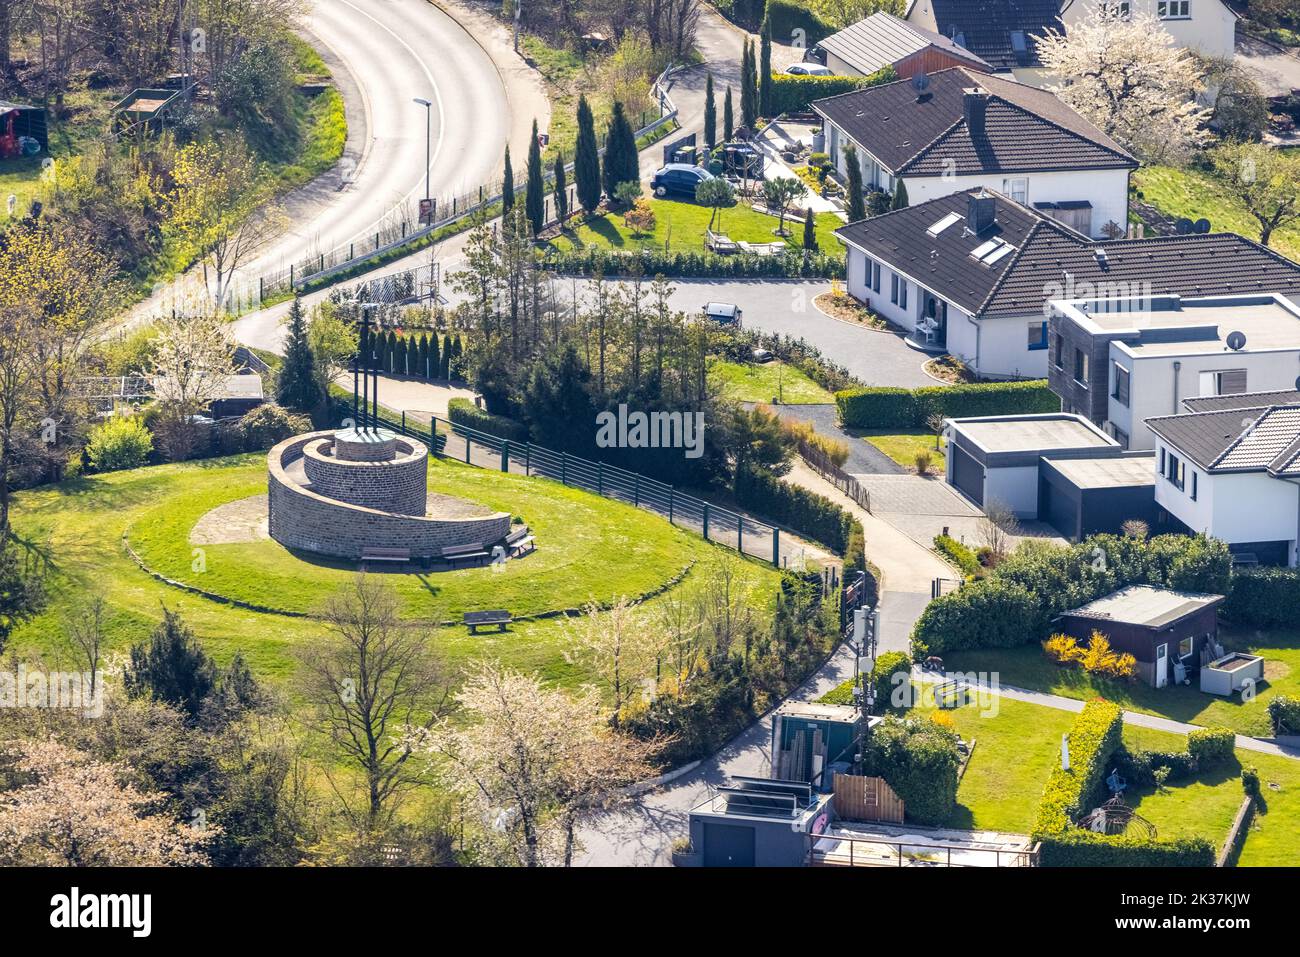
{"x":520,"y":541}
{"x":458,"y":553}
{"x":475,"y":620}
{"x":385,"y":554}
{"x":720,"y":242}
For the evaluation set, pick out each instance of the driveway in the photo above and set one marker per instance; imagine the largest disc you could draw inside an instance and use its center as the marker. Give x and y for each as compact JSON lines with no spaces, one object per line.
{"x":1276,"y":69}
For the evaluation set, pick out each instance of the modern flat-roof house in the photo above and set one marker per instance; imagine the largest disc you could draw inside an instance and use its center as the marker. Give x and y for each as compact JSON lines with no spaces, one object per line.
{"x":1172,"y":634}
{"x":1207,"y":27}
{"x":1232,"y":471}
{"x":1000,"y":32}
{"x":972,"y":274}
{"x":882,"y":40}
{"x":1121,"y":361}
{"x":959,"y":129}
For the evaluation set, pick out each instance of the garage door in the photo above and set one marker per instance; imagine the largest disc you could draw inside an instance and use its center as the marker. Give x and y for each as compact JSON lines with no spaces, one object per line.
{"x":726,"y":845}
{"x":967,"y":474}
{"x":1059,"y":509}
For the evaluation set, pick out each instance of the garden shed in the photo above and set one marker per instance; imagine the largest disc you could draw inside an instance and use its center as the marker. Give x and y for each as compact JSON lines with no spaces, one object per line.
{"x":756,"y":822}
{"x":1172,"y":634}
{"x":22,"y":128}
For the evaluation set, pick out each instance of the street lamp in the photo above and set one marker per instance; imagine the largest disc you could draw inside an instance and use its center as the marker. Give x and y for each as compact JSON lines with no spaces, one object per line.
{"x":428,"y":140}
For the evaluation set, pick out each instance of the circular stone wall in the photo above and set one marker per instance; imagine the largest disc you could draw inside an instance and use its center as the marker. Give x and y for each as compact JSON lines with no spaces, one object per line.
{"x":396,"y":484}
{"x":301,"y":517}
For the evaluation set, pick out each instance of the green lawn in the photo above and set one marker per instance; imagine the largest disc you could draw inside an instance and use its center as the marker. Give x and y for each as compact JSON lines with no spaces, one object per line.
{"x":1027,"y":667}
{"x":762,"y":382}
{"x":903,"y":446}
{"x":1195,"y":194}
{"x":680,"y":226}
{"x":80,"y":525}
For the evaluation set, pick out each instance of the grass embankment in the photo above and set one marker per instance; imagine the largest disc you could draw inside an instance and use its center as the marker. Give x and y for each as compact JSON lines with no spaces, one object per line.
{"x":765,"y":381}
{"x":903,"y":446}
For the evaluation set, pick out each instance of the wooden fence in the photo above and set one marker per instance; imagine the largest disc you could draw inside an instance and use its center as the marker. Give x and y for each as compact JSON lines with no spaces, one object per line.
{"x":859,"y":798}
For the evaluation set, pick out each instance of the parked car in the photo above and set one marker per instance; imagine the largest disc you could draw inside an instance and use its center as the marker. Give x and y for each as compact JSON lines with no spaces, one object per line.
{"x":762,"y":355}
{"x":727,"y":313}
{"x":808,"y":69}
{"x":678,"y":178}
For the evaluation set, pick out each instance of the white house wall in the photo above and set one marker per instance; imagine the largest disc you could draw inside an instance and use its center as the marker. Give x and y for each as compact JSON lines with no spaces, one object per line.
{"x":1209,"y":29}
{"x":1107,"y":190}
{"x":858,"y":287}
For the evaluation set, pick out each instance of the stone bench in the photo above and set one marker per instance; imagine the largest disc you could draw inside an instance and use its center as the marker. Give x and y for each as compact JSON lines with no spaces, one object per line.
{"x":474,"y":620}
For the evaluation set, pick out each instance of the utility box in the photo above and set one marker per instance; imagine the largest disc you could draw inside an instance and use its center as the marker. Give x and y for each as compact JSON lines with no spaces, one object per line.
{"x":808,"y":737}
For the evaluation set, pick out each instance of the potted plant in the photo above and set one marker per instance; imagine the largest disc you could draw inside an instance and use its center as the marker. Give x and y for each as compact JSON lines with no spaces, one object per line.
{"x":684,"y":853}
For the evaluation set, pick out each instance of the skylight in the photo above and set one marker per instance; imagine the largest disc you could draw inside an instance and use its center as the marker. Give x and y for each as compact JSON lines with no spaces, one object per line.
{"x":992,"y":251}
{"x":982,"y":250}
{"x":944,"y":223}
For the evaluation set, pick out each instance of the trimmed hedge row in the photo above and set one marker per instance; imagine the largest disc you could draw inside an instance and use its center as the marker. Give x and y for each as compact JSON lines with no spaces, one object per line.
{"x":597,"y":259}
{"x":882,"y":677}
{"x":957,"y":553}
{"x":794,"y":94}
{"x":1211,"y":747}
{"x":885,"y":407}
{"x":464,"y":412}
{"x":1079,"y":848}
{"x":1094,"y":738}
{"x":806,"y":512}
{"x":1264,"y":597}
{"x":920,"y":761}
{"x":1284,"y":712}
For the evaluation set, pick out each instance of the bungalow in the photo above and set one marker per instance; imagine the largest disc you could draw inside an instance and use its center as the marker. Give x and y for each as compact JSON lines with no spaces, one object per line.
{"x":1230,"y":468}
{"x":883,"y":40}
{"x":959,"y":129}
{"x":974,"y":273}
{"x":1170,"y":633}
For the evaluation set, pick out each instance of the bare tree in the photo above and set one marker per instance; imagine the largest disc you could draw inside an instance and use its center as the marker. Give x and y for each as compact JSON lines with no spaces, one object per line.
{"x":373,"y":680}
{"x":671,"y":25}
{"x":85,"y":629}
{"x":998,"y":527}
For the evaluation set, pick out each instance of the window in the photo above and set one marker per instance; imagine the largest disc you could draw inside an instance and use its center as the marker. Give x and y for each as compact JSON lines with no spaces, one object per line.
{"x":1120,"y":436}
{"x":1120,"y":392}
{"x":1174,"y":9}
{"x":1037,"y":335}
{"x":1081,"y":367}
{"x":1057,"y":348}
{"x":1193,"y":485}
{"x":1117,"y":8}
{"x":893,"y":288}
{"x":898,"y":291}
{"x":1175,"y":470}
{"x":1186,"y":647}
{"x":1017,"y":189}
{"x":1223,"y":382}
{"x":944,"y":223}
{"x":902,"y":293}
{"x":1162,"y":461}
{"x":872,"y":276}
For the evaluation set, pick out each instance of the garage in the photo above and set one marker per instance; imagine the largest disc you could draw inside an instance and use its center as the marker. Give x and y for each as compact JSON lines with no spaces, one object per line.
{"x":1082,"y":497}
{"x":727,"y":845}
{"x":755,"y":822}
{"x":967,"y":474}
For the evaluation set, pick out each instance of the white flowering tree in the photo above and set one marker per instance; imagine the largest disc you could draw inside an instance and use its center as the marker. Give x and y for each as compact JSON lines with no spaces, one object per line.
{"x":1129,"y":79}
{"x":188,"y":369}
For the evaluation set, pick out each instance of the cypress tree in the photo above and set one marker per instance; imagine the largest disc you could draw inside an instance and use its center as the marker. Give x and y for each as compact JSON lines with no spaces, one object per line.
{"x":586,"y":159}
{"x":710,"y":114}
{"x":809,"y":231}
{"x":534,"y":195}
{"x":900,"y":196}
{"x":748,"y":88}
{"x":857,"y":207}
{"x":561,"y":192}
{"x":295,"y":385}
{"x":508,"y":185}
{"x":422,"y":357}
{"x":765,"y":68}
{"x":621,"y":163}
{"x":446,"y":356}
{"x":728,"y":120}
{"x":457,"y":349}
{"x":412,"y":356}
{"x":435,"y":360}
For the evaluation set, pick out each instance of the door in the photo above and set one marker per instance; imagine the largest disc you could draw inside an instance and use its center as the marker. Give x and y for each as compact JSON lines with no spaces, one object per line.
{"x":726,"y":845}
{"x":1162,"y":665}
{"x":967,"y":474}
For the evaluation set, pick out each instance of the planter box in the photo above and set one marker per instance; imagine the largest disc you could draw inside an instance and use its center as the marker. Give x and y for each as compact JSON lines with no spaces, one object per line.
{"x":1231,"y":673}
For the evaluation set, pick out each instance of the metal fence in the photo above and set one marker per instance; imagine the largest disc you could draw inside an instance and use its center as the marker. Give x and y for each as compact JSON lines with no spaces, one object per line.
{"x":401,"y":225}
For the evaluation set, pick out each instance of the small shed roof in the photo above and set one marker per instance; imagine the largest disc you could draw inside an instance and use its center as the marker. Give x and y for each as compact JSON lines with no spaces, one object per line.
{"x":1113,"y":471}
{"x":1146,"y":606}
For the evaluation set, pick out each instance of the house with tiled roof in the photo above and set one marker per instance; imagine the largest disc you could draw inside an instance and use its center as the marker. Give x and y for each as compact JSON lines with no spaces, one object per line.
{"x":973,"y":274}
{"x":883,"y":40}
{"x":1234,"y":473}
{"x":959,"y":129}
{"x":1207,"y":27}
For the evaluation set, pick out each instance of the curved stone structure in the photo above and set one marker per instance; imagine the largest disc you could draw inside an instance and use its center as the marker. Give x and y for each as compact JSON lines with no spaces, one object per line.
{"x":335,"y":494}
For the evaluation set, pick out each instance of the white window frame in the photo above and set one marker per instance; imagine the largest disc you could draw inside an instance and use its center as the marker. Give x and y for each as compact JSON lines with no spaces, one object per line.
{"x":1016,"y":188}
{"x":1174,"y":9}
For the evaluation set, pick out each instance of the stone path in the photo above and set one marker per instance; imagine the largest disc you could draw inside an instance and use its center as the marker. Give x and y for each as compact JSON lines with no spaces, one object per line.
{"x":243,"y":520}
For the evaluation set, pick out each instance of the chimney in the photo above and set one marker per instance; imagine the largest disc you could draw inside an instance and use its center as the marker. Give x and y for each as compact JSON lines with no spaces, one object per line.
{"x":974,"y":101}
{"x":981,"y":211}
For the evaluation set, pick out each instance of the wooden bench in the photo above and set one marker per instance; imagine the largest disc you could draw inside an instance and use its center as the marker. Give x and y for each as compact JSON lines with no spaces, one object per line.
{"x":720,"y":242}
{"x":457,"y":553}
{"x":385,"y":554}
{"x":475,"y":620}
{"x":520,"y":541}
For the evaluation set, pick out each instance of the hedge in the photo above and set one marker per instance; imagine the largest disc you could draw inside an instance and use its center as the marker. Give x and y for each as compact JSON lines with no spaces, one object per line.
{"x":591,"y":260}
{"x":1284,"y":712}
{"x":957,"y":553}
{"x":1093,"y":739}
{"x":1264,"y":597}
{"x":1211,"y":747}
{"x":806,"y":512}
{"x":919,"y":760}
{"x":989,"y":613}
{"x":882,"y":677}
{"x":1079,"y":848}
{"x":885,"y":407}
{"x":464,"y":412}
{"x":794,"y":94}
{"x":787,"y":17}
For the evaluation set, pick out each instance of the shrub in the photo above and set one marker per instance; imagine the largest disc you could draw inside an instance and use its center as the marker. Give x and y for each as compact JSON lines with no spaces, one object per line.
{"x":1139,"y":768}
{"x":794,"y":94}
{"x":1093,"y":739}
{"x":1211,"y":747}
{"x":855,"y":555}
{"x":806,"y":512}
{"x":1099,"y":659}
{"x":1062,"y":649}
{"x":465,"y":413}
{"x":922,"y":461}
{"x":883,"y":671}
{"x":886,"y":407}
{"x":268,"y":424}
{"x":1250,"y":782}
{"x":1264,"y":597}
{"x":786,"y":16}
{"x":121,"y":442}
{"x":592,"y":260}
{"x":988,"y":613}
{"x":1284,"y":713}
{"x":919,"y":760}
{"x":958,"y":554}
{"x":1079,"y":848}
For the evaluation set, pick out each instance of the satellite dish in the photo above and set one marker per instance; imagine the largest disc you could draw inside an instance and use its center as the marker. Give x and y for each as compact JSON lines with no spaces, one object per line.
{"x":1184,"y":226}
{"x":920,"y":82}
{"x":1297,"y":383}
{"x":1202,"y":225}
{"x":1236,"y":341}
